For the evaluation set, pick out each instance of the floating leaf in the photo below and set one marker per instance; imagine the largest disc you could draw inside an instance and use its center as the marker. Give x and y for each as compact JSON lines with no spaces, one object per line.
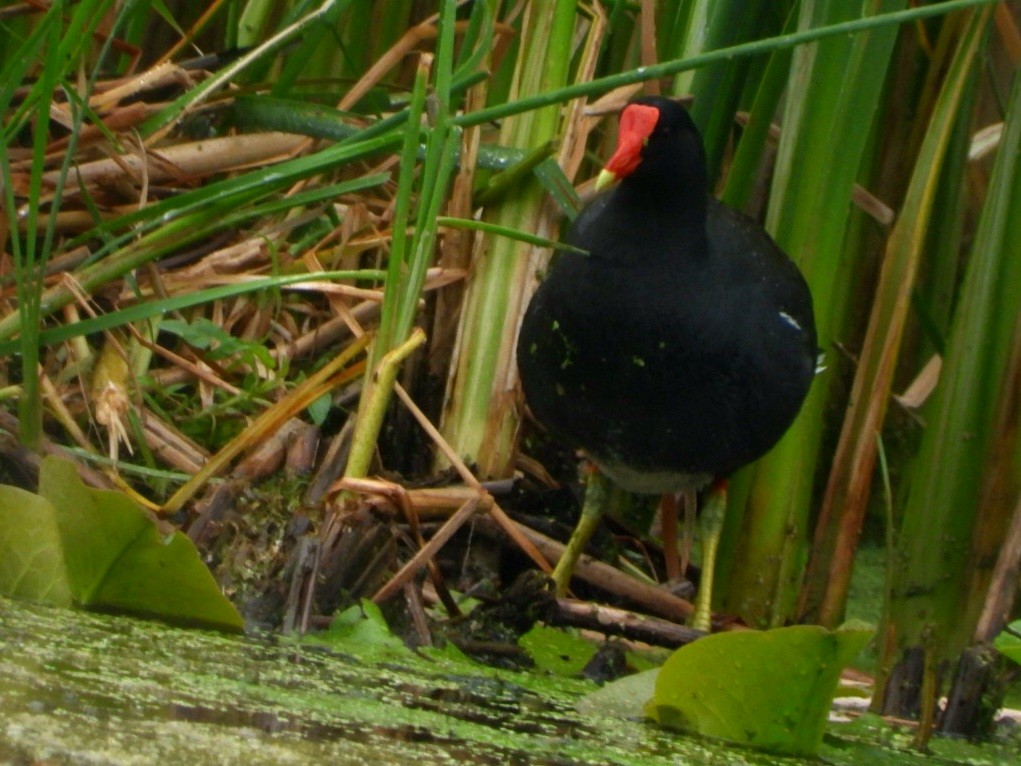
{"x":623,"y":698}
{"x":363,"y":627}
{"x":99,"y":549}
{"x":31,"y":554}
{"x":1008,"y":643}
{"x":770,"y":690}
{"x":557,"y":651}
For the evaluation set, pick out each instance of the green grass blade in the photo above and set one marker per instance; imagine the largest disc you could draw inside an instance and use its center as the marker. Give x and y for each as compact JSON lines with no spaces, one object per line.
{"x":931,"y":597}
{"x":809,"y":213}
{"x":506,"y":231}
{"x":193,"y":96}
{"x":388,"y":336}
{"x":159,"y":306}
{"x":843,"y":509}
{"x":670,"y":68}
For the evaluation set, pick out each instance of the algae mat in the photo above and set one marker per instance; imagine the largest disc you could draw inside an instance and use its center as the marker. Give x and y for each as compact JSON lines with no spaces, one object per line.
{"x":81,"y":688}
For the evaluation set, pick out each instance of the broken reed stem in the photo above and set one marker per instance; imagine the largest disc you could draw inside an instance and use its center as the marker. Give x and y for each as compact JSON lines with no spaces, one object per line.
{"x":363,"y":443}
{"x":421,"y":559}
{"x":499,"y":516}
{"x":329,"y":377}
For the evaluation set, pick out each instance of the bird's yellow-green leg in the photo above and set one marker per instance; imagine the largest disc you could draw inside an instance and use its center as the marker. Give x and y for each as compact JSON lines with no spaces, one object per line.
{"x":596,"y":490}
{"x":711,"y":526}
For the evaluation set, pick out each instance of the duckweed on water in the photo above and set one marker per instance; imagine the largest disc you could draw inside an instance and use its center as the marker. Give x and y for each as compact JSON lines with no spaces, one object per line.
{"x":89,"y":688}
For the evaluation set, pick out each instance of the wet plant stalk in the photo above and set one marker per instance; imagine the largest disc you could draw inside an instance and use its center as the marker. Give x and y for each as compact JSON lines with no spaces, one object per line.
{"x":937,"y":559}
{"x":363,"y":444}
{"x":410,"y":257}
{"x":808,"y":216}
{"x":847,"y":493}
{"x":480,"y":418}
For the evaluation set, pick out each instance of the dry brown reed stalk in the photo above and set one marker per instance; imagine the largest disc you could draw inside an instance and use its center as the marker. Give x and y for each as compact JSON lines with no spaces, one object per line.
{"x":188,"y":161}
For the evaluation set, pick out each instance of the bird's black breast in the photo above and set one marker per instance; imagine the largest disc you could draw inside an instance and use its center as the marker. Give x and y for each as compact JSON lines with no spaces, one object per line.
{"x":668,"y":353}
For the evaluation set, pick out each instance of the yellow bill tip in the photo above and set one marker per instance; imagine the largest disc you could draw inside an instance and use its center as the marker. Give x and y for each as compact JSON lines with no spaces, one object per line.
{"x":605,"y":178}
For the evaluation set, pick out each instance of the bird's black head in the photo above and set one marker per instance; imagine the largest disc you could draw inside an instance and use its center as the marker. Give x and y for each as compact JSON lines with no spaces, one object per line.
{"x":659,"y":150}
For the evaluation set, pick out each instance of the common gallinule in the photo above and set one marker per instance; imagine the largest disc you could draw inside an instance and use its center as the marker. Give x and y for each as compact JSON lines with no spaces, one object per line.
{"x":681,"y":346}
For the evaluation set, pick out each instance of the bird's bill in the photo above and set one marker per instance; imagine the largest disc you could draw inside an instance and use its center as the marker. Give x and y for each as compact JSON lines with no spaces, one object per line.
{"x":605,"y":178}
{"x":637,"y":122}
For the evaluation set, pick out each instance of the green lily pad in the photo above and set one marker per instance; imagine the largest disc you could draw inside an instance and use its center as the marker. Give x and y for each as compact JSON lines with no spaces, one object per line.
{"x":72,"y":544}
{"x":363,"y":630}
{"x":31,"y":554}
{"x":770,"y":690}
{"x":1008,"y":643}
{"x":362,"y":626}
{"x":623,"y":698}
{"x":560,"y":652}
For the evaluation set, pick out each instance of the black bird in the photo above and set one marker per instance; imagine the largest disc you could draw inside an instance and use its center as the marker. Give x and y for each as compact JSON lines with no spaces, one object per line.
{"x":682,"y":345}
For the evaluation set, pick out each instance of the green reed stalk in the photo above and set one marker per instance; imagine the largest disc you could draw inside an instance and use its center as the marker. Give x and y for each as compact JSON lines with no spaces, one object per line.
{"x":847,"y":493}
{"x":479,"y":418}
{"x":937,"y":559}
{"x":60,"y":49}
{"x":808,"y":216}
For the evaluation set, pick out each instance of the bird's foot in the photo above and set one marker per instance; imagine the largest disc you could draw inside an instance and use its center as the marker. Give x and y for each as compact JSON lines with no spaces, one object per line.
{"x":592,"y":509}
{"x":713,"y":513}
